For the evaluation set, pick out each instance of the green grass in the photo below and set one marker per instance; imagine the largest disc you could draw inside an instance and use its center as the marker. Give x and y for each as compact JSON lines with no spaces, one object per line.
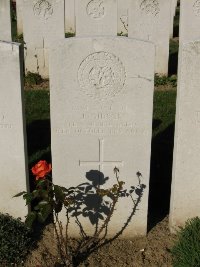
{"x":164,"y":110}
{"x":37,"y":105}
{"x":186,"y":250}
{"x":37,"y":112}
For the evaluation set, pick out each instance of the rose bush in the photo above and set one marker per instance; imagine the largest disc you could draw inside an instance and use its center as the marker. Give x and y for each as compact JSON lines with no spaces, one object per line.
{"x":48,"y":199}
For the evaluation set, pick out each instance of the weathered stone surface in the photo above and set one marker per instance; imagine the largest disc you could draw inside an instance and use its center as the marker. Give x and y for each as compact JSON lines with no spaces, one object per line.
{"x":123,"y":6}
{"x":70,"y":16}
{"x":43,"y":23}
{"x":185,"y":196}
{"x":101,"y":117}
{"x":13,"y":161}
{"x":19,"y":10}
{"x":150,"y":20}
{"x":96,"y":17}
{"x":5,"y":21}
{"x":189,"y":21}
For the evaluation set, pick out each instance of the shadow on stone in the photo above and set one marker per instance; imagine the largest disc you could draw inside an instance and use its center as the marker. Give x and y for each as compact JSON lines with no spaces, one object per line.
{"x":160,"y":176}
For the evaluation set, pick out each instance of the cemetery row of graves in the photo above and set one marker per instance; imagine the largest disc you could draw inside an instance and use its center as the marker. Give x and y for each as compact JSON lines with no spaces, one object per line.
{"x":101,"y":101}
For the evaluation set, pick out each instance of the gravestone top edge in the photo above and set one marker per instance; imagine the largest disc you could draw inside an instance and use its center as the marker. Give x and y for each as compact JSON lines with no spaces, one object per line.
{"x":100,"y":38}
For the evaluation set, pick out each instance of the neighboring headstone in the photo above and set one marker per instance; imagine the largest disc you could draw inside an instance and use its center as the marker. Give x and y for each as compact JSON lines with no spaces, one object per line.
{"x":5,"y":21}
{"x":19,"y":10}
{"x":13,"y":160}
{"x":150,"y":20}
{"x":185,"y":196}
{"x":123,"y":6}
{"x":43,"y":23}
{"x":189,"y":20}
{"x":101,"y":117}
{"x":172,"y":18}
{"x":70,"y":16}
{"x":96,"y":17}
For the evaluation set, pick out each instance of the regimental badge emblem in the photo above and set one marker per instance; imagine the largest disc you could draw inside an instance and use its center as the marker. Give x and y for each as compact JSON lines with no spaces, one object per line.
{"x":101,"y":75}
{"x":43,"y":9}
{"x":151,"y":7}
{"x":96,"y":9}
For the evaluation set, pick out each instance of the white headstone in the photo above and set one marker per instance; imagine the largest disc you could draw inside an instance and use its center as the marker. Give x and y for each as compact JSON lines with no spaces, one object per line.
{"x":43,"y":23}
{"x":185,"y":196}
{"x":13,"y":160}
{"x":70,"y":16}
{"x":150,"y":20}
{"x":101,"y":116}
{"x":19,"y":10}
{"x":123,"y":6}
{"x":189,"y":20}
{"x":172,"y":18}
{"x":96,"y":17}
{"x":5,"y":21}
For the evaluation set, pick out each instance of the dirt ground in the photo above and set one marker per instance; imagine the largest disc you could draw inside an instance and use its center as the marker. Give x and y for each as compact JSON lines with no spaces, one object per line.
{"x":150,"y":251}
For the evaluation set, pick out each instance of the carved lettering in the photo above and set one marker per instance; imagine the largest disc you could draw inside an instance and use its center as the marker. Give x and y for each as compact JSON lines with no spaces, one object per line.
{"x":3,"y":123}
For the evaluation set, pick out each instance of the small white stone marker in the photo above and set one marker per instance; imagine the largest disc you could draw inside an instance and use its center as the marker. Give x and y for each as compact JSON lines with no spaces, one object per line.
{"x":43,"y":23}
{"x":101,"y":117}
{"x":13,"y":156}
{"x":150,"y":20}
{"x":96,"y":17}
{"x":5,"y":21}
{"x":185,"y":192}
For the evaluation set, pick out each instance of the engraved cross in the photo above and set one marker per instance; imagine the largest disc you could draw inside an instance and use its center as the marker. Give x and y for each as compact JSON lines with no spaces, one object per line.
{"x":101,"y":163}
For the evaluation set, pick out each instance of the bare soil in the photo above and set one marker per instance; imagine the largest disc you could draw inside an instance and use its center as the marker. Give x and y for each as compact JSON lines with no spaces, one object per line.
{"x":150,"y":251}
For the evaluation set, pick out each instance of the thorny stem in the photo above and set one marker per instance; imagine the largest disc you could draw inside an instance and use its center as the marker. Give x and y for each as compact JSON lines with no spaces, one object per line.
{"x":62,"y":248}
{"x":88,"y":243}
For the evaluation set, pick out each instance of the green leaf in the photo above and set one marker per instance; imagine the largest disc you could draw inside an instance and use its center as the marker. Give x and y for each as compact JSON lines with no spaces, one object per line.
{"x":28,"y":197}
{"x":44,"y":213}
{"x":43,"y":203}
{"x":41,"y":218}
{"x":31,"y":217}
{"x":35,"y":193}
{"x":58,"y":207}
{"x":59,"y":193}
{"x":20,"y":194}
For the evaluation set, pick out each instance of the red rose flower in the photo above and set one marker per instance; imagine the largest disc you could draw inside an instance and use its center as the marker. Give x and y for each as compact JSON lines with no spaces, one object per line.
{"x":41,"y":169}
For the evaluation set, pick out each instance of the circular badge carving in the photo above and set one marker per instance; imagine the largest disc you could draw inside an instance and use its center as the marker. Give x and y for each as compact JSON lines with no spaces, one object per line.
{"x":101,"y":75}
{"x":196,"y":8}
{"x":150,"y":7}
{"x":43,"y":9}
{"x":95,"y":9}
